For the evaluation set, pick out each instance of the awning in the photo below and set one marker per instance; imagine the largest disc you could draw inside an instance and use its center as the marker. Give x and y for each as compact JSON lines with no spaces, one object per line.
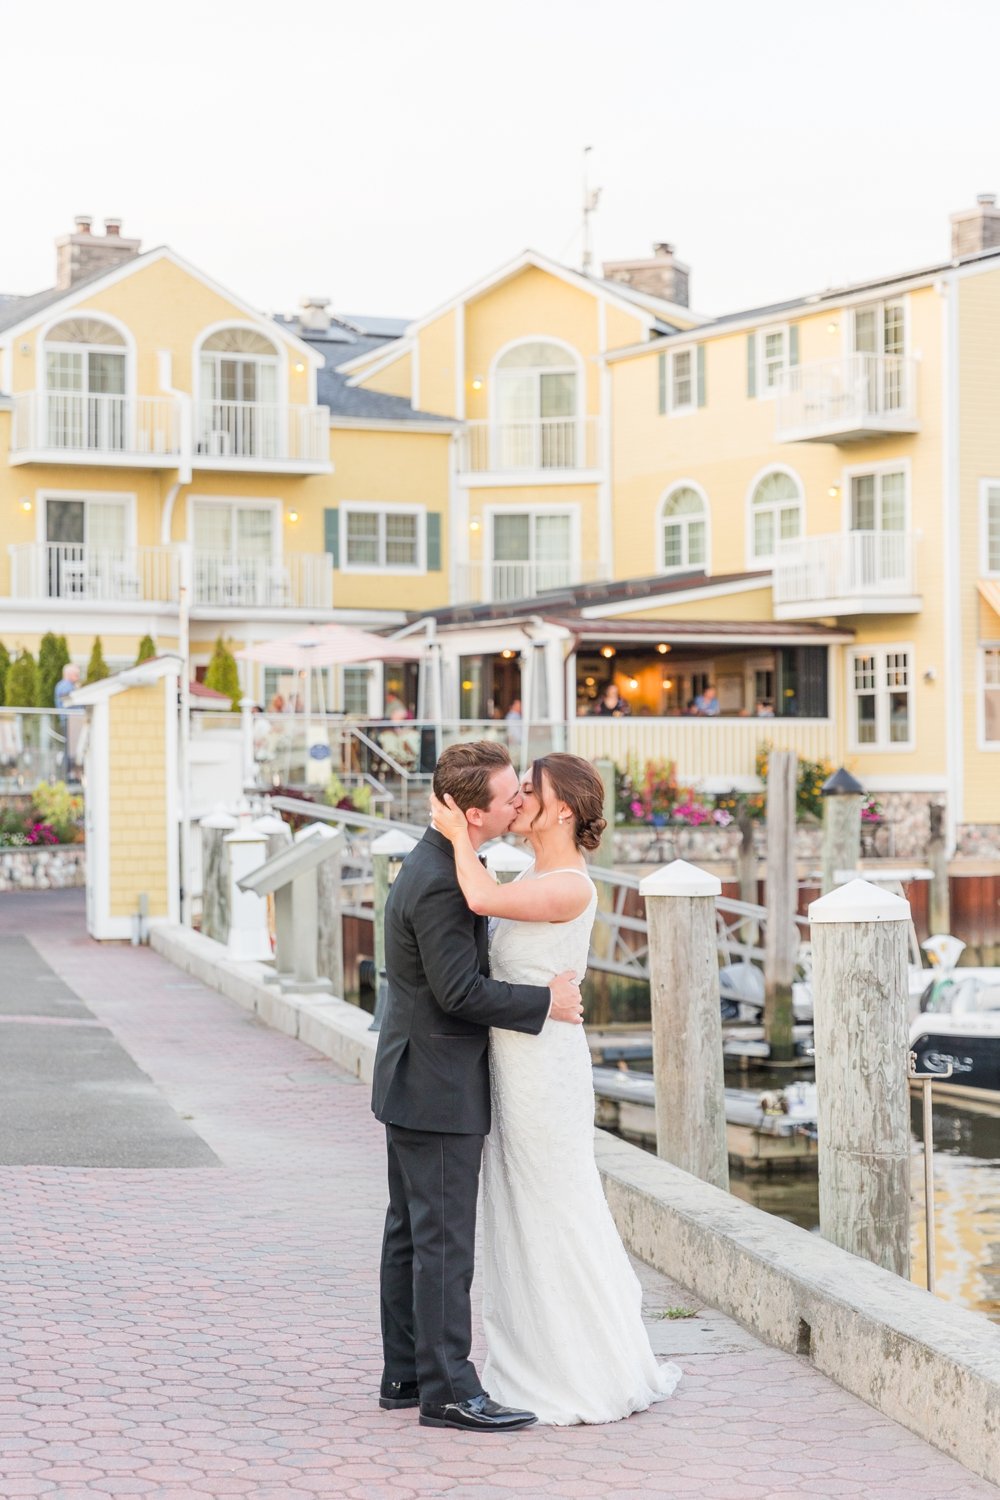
{"x":989,"y":592}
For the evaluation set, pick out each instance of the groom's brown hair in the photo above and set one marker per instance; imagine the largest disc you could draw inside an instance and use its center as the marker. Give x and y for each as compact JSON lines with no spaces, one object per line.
{"x":465,"y":772}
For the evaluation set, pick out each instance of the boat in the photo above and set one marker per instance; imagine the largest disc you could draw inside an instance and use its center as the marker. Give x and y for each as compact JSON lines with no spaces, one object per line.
{"x":955,"y":1033}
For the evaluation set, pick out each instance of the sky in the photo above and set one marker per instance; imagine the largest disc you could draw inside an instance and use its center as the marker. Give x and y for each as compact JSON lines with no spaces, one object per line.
{"x":387,"y":153}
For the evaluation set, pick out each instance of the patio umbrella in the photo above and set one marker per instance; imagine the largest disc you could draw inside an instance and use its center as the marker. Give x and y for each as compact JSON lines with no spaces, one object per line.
{"x":327,"y":646}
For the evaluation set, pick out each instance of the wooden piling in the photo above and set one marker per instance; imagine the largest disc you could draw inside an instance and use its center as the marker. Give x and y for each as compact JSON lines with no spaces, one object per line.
{"x":686,"y":1020}
{"x":781,"y":934}
{"x":939,"y":896}
{"x":859,"y":943}
{"x":842,"y":798}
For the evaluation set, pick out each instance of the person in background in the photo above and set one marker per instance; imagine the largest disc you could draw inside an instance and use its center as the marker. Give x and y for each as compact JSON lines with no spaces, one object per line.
{"x":69,"y":680}
{"x":276,"y":705}
{"x":513,"y":717}
{"x":611,"y":704}
{"x":764,"y":709}
{"x":708,"y":703}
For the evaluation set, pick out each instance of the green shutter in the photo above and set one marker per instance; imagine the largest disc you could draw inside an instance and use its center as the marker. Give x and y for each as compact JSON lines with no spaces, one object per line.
{"x":793,"y":344}
{"x":331,"y":535}
{"x":662,"y":371}
{"x":434,"y":541}
{"x":751,"y":365}
{"x":701,"y":374}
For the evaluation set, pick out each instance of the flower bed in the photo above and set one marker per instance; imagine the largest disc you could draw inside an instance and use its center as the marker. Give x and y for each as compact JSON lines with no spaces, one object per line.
{"x":52,"y":816}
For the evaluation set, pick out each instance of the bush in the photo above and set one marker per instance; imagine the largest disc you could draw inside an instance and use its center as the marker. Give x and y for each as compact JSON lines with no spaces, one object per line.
{"x":355,"y":799}
{"x":97,"y":667}
{"x":22,"y":682}
{"x":53,"y":655}
{"x":811,"y":775}
{"x":54,"y":805}
{"x":147,"y":648}
{"x":4,"y":669}
{"x":223,"y":674}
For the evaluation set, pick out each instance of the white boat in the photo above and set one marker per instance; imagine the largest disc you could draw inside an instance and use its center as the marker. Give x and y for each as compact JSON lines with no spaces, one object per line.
{"x":956,"y":1026}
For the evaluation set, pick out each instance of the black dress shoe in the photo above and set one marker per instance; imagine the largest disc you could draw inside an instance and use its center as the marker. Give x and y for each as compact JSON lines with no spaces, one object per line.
{"x":394,"y":1395}
{"x":478,"y":1414}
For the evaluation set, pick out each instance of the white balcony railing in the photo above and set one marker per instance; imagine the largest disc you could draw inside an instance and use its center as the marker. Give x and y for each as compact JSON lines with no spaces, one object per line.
{"x":538,"y":444}
{"x":721,"y":752}
{"x":843,"y":400}
{"x":500,"y":582}
{"x":851,"y":572}
{"x":100,"y":575}
{"x":71,"y":424}
{"x":262,"y":432}
{"x":228,"y":581}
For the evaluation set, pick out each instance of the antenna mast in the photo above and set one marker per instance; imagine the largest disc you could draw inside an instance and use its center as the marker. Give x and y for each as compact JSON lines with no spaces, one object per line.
{"x":591,"y":198}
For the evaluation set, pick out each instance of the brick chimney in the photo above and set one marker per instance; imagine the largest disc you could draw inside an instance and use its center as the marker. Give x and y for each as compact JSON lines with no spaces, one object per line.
{"x":315,"y":315}
{"x":975,"y":229}
{"x":662,"y":276}
{"x":83,"y":252}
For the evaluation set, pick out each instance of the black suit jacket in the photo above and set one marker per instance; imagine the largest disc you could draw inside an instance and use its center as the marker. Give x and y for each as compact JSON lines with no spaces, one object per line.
{"x":432,"y":1063}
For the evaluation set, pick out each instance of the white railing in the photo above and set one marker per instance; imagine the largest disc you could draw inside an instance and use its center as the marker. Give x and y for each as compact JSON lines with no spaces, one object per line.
{"x":854,"y":396}
{"x":303,"y":579}
{"x":722,"y":751}
{"x":501,"y":582}
{"x":72,"y":423}
{"x":848,"y":565}
{"x":263,"y":432}
{"x":105,"y":575}
{"x":532,"y":445}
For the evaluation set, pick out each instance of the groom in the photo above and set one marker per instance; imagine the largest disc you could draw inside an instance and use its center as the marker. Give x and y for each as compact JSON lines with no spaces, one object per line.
{"x":432,"y":1093}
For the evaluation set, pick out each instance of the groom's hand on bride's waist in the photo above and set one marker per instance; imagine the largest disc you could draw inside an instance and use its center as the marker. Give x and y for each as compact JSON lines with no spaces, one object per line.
{"x":566,"y":1003}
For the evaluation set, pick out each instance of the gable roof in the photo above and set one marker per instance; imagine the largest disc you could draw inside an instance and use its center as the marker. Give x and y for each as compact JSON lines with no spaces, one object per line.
{"x":351,"y":335}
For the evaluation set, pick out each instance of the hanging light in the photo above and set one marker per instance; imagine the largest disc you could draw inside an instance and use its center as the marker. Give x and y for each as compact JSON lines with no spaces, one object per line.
{"x":607,"y":652}
{"x":633,"y":683}
{"x":663,"y":648}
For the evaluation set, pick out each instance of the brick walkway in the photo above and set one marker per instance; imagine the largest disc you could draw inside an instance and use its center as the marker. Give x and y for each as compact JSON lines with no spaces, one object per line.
{"x":211,"y":1330}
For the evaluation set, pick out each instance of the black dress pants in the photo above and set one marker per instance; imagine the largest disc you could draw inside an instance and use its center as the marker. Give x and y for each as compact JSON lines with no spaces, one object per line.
{"x":428,"y":1257}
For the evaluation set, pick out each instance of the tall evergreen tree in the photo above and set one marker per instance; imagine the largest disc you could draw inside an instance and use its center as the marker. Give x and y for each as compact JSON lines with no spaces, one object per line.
{"x":4,"y":669}
{"x":53,"y":655}
{"x":22,"y":682}
{"x":223,"y":674}
{"x":97,"y":667}
{"x":147,"y":648}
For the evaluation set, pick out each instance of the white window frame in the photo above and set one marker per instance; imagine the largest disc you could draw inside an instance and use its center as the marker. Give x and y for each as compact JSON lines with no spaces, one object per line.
{"x":533,"y":512}
{"x":764,"y":391}
{"x":368,"y":507}
{"x":991,"y":747}
{"x":241,"y":502}
{"x":754,"y":562}
{"x":279,"y":359}
{"x":881,"y":745}
{"x":43,"y":345}
{"x":128,"y":498}
{"x":675,"y":408}
{"x":658,"y":553}
{"x":880,"y":304}
{"x":887,"y":466}
{"x":985,"y":486}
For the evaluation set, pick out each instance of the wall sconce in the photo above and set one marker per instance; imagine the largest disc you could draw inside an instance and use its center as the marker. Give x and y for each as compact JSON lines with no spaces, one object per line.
{"x":663,"y":648}
{"x":832,"y":327}
{"x":25,"y":504}
{"x":607,"y":652}
{"x":930,"y":675}
{"x":474,"y":524}
{"x":299,"y":367}
{"x":668,"y":683}
{"x":633,"y":683}
{"x":833,"y":491}
{"x":507,"y":655}
{"x":293,"y":516}
{"x":588,"y":681}
{"x":477,"y":382}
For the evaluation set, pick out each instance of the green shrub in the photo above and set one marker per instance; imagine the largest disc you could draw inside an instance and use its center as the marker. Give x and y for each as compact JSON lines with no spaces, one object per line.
{"x":53,"y":803}
{"x":53,"y":655}
{"x":22,"y":682}
{"x":223,"y":675}
{"x":97,"y":667}
{"x":147,"y":648}
{"x":4,"y":669}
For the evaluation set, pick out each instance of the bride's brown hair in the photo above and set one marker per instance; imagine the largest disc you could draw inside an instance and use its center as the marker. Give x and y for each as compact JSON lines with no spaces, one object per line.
{"x":575,"y":782}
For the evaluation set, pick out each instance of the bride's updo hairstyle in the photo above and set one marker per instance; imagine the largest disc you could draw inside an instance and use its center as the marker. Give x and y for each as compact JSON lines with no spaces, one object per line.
{"x":575,"y":782}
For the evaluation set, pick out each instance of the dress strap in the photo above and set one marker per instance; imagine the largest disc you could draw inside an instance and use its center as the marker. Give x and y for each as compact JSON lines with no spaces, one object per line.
{"x":569,"y":870}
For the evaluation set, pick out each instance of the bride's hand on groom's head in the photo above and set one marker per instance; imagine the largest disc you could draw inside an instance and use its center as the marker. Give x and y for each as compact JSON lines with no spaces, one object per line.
{"x":448,"y":817}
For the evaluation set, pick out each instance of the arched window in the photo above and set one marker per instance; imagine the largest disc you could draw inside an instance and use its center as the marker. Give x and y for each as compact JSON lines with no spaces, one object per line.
{"x":775,"y":514}
{"x":239,"y":413}
{"x":85,"y":382}
{"x":683,"y":530}
{"x":535,"y":406}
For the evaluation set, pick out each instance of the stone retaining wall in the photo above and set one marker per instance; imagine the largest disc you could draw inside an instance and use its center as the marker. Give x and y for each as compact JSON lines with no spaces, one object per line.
{"x":43,"y":867}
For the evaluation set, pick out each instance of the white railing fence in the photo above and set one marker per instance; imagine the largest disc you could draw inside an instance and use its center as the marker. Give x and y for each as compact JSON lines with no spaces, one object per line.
{"x":500,"y":582}
{"x":859,"y":390}
{"x":71,"y":570}
{"x":845,"y":565}
{"x":261,"y":430}
{"x":302,"y":579}
{"x":721,"y":752}
{"x":531,"y":444}
{"x":80,"y":422}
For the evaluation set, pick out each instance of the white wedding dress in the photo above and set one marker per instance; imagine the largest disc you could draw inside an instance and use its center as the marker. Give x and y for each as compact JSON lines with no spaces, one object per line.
{"x":562,"y":1306}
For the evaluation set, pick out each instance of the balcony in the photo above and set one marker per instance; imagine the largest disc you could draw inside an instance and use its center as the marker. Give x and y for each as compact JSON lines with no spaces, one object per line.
{"x":94,"y":575}
{"x":502,"y":582}
{"x":255,"y":435}
{"x":847,"y":573}
{"x":76,"y":428}
{"x":538,"y":449}
{"x":297,"y":580}
{"x":847,"y":400}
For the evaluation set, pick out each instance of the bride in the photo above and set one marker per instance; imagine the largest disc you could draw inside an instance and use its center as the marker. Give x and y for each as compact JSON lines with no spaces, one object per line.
{"x":561,"y":1303}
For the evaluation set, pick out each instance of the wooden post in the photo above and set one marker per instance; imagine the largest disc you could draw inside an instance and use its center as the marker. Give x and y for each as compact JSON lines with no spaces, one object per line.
{"x":939,"y":913}
{"x":331,"y":921}
{"x":859,"y":940}
{"x":687,"y":1020}
{"x":746,"y":868}
{"x":780,"y":936}
{"x":604,"y":858}
{"x":215,"y":874}
{"x":842,"y":797}
{"x":387,"y":848}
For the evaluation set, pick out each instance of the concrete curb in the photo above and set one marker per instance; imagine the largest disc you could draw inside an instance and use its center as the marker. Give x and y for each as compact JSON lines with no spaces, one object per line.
{"x":931,"y":1366}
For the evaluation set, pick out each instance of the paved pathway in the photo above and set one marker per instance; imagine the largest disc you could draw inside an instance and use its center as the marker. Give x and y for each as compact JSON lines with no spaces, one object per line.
{"x":208,"y":1328}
